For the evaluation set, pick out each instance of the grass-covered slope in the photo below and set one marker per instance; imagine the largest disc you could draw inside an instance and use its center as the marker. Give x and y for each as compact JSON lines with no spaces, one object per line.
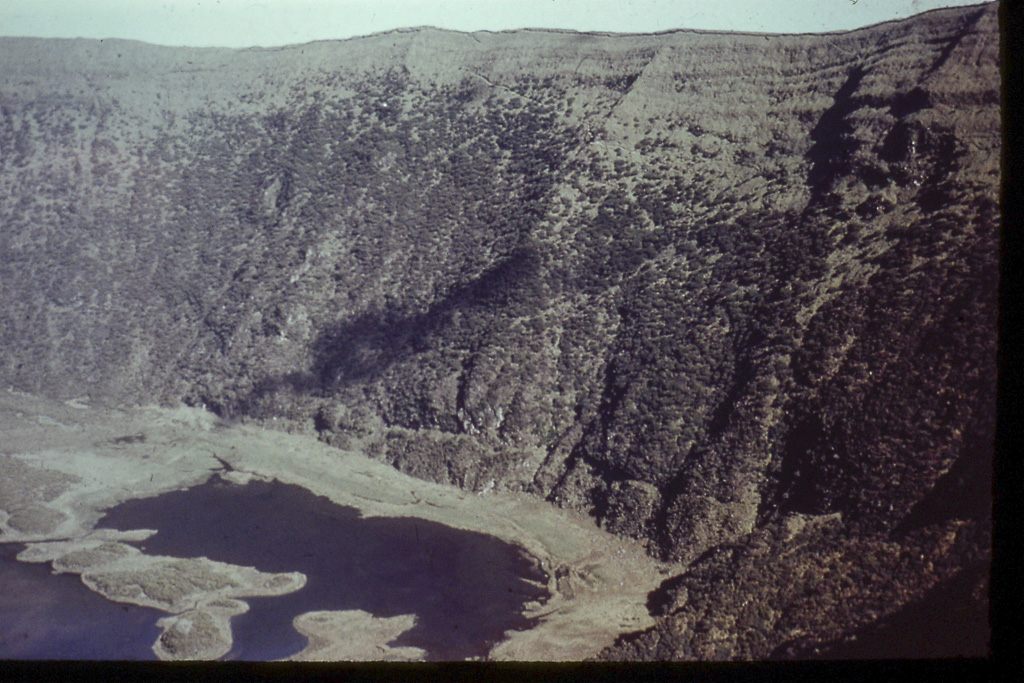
{"x":734,"y":295}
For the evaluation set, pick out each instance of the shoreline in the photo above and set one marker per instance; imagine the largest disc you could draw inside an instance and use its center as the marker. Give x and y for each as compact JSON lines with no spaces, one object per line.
{"x":89,"y":459}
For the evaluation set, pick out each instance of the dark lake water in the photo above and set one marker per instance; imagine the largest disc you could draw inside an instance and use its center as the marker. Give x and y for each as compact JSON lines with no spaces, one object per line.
{"x":465,"y":588}
{"x":43,"y":616}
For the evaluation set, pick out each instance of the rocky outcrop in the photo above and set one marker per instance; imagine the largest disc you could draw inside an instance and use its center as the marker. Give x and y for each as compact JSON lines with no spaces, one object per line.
{"x":706,"y":287}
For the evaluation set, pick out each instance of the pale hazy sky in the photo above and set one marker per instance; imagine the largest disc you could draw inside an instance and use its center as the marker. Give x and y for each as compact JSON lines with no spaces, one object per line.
{"x":244,"y":23}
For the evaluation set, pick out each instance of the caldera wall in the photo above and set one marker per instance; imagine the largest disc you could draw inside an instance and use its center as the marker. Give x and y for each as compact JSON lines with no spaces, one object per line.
{"x":708,"y":288}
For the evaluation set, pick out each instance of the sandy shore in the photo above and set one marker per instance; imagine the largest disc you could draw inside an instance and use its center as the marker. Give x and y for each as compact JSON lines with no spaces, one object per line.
{"x":62,"y":464}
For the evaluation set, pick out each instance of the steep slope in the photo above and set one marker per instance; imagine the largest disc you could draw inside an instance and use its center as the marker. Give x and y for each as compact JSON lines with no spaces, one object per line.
{"x":733,"y":295}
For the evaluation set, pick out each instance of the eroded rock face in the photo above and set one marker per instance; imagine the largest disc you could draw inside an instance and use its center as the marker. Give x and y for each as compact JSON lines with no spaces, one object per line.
{"x":696,"y":285}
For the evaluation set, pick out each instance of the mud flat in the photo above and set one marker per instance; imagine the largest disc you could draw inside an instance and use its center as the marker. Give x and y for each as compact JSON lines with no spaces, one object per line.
{"x":63,"y":466}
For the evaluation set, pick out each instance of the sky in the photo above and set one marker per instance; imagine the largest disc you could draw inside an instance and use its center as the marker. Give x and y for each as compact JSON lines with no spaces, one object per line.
{"x":269,"y":23}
